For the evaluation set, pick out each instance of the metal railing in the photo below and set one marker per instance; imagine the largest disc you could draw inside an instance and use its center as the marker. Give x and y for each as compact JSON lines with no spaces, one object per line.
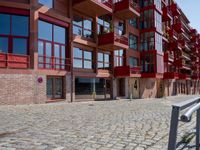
{"x":54,"y":63}
{"x":194,"y":106}
{"x":9,"y":60}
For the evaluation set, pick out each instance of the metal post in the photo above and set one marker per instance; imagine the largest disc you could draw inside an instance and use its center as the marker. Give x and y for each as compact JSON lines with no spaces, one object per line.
{"x":198,"y":130}
{"x":173,"y":128}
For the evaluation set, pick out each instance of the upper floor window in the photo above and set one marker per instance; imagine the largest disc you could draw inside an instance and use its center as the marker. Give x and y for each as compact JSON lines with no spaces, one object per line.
{"x":147,"y":41}
{"x":82,"y":58}
{"x":51,"y":46}
{"x":147,"y":19}
{"x":134,"y":22}
{"x":104,"y":24}
{"x":145,"y":3}
{"x":103,"y":60}
{"x":148,"y":63}
{"x":48,"y":3}
{"x":133,"y":62}
{"x":119,"y":57}
{"x":82,"y":27}
{"x":158,"y":21}
{"x":14,"y":34}
{"x":133,"y":42}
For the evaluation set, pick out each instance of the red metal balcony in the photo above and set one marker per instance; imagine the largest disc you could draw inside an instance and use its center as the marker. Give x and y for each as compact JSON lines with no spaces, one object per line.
{"x":175,"y":45}
{"x":14,"y":61}
{"x":195,"y":68}
{"x":127,"y":71}
{"x":182,"y":42}
{"x":173,"y":34}
{"x":175,"y":10}
{"x":178,"y":27}
{"x":171,"y":75}
{"x":193,"y":31}
{"x":93,"y":8}
{"x":168,"y":57}
{"x":126,"y":9}
{"x":194,"y":39}
{"x":194,"y":50}
{"x":184,"y":76}
{"x":112,"y":41}
{"x":195,"y":76}
{"x":167,"y":16}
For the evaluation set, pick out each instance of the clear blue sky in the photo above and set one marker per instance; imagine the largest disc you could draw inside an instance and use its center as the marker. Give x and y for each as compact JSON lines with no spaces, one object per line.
{"x":191,"y":8}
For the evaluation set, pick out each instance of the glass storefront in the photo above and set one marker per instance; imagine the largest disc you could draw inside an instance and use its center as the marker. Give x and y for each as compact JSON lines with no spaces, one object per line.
{"x":92,"y":88}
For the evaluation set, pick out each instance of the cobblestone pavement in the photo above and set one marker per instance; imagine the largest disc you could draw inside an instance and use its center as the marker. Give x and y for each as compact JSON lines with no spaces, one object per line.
{"x":115,"y":125}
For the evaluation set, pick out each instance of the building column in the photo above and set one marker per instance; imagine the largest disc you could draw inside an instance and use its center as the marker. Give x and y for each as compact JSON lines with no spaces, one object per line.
{"x":114,"y":88}
{"x":127,"y":88}
{"x":33,"y":47}
{"x":68,"y":88}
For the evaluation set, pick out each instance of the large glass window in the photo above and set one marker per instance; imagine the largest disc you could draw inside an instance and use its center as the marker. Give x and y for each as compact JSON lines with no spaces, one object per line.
{"x":147,"y":41}
{"x":119,"y":57}
{"x":48,"y":3}
{"x":148,"y":63}
{"x":158,"y":42}
{"x":51,"y":46}
{"x":133,"y":42}
{"x":103,"y":60}
{"x":82,"y":58}
{"x":19,"y":25}
{"x":147,"y":19}
{"x":145,"y":3}
{"x":14,"y":34}
{"x":5,"y":24}
{"x":3,"y":45}
{"x":158,"y":21}
{"x":82,"y":27}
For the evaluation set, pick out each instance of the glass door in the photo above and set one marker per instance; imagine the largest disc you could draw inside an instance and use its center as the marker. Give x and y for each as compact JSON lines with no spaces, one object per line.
{"x":50,"y":87}
{"x":54,"y":87}
{"x":58,"y":87}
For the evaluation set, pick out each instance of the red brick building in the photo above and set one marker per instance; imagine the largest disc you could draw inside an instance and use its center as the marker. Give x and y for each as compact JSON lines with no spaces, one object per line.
{"x":76,"y":50}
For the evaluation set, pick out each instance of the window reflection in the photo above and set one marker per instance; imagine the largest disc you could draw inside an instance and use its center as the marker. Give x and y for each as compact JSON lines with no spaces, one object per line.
{"x":82,"y":58}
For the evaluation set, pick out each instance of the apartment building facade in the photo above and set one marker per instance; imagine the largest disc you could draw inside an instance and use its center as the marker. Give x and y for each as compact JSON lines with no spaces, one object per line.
{"x":81,"y":50}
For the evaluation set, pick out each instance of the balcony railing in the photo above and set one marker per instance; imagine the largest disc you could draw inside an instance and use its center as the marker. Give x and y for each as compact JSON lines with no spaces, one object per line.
{"x":8,"y":60}
{"x":184,"y":76}
{"x":127,"y":71}
{"x":126,"y":9}
{"x":175,"y":9}
{"x":167,"y":15}
{"x":108,"y":3}
{"x":54,"y":63}
{"x":111,"y":39}
{"x":178,"y":27}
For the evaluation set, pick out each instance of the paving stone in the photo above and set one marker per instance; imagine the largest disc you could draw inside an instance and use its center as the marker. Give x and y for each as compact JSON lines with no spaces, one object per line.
{"x":113,"y":125}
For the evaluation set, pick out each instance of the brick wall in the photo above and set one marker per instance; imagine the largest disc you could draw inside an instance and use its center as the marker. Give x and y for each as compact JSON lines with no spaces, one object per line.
{"x":21,"y":89}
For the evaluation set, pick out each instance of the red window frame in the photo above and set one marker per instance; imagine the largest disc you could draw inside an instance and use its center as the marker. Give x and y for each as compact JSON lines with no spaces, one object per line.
{"x":146,"y":38}
{"x":83,"y":59}
{"x":83,"y":27}
{"x":11,"y":37}
{"x":103,"y":62}
{"x":119,"y":57}
{"x":53,"y":65}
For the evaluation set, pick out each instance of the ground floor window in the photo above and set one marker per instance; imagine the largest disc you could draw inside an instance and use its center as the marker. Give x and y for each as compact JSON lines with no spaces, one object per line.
{"x":55,"y":87}
{"x":92,"y":88}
